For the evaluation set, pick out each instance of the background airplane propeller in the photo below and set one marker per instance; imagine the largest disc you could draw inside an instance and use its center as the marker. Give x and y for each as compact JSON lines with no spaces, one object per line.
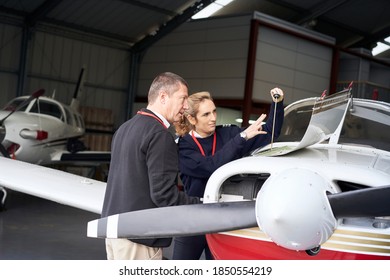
{"x":206,"y":218}
{"x":34,"y":95}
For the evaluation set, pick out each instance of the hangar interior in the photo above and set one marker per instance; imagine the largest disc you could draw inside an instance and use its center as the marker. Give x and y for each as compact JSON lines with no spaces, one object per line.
{"x":238,"y":54}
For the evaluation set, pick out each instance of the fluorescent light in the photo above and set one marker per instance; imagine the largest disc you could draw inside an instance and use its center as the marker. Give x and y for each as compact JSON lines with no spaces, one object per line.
{"x":381,"y":47}
{"x":211,"y":9}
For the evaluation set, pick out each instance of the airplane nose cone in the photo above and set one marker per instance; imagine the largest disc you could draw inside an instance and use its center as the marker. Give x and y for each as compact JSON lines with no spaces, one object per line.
{"x":293,"y":210}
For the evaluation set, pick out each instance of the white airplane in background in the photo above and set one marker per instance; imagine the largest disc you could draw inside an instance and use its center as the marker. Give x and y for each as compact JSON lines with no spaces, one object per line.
{"x":41,"y":130}
{"x":321,"y":192}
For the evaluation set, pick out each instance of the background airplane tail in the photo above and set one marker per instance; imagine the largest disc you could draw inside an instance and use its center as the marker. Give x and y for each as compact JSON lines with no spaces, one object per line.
{"x":75,"y":103}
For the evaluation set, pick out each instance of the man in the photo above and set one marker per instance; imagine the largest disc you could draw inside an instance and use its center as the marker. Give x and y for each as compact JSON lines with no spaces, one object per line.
{"x":144,"y":165}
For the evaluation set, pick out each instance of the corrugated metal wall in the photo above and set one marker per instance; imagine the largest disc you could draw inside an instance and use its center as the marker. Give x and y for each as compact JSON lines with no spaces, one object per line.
{"x":210,"y":54}
{"x":10,"y":44}
{"x":300,"y":67}
{"x":54,"y":63}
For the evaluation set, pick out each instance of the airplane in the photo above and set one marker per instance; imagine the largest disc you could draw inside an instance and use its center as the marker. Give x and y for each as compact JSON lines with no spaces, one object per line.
{"x":42,"y":130}
{"x":320,"y":191}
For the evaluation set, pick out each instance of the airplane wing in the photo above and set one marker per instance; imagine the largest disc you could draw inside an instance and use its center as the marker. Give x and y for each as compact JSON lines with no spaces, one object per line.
{"x":82,"y":157}
{"x":59,"y":186}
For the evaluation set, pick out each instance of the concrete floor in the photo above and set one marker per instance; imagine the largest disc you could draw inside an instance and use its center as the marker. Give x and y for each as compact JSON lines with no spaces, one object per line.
{"x":36,"y":229}
{"x":32,"y":228}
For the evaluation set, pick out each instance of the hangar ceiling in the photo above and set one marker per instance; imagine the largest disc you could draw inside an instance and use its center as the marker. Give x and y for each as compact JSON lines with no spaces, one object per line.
{"x":138,"y":23}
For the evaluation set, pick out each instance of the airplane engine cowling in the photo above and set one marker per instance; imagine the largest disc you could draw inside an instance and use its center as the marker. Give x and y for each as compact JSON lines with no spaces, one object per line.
{"x":292,"y":208}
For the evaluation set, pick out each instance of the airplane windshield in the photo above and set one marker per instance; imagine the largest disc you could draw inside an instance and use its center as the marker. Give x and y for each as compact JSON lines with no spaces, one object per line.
{"x":364,"y":125}
{"x":14,"y":104}
{"x":371,"y":128}
{"x":47,"y":108}
{"x":295,"y":124}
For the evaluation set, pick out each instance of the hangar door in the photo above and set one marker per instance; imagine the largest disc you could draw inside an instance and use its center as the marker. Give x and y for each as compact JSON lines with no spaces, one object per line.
{"x":290,"y":57}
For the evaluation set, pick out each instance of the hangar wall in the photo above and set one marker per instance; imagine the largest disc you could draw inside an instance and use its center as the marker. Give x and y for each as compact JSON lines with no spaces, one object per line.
{"x":10,"y":45}
{"x":210,"y":54}
{"x":57,"y":60}
{"x":371,"y":79}
{"x":54,"y":62}
{"x":301,"y":67}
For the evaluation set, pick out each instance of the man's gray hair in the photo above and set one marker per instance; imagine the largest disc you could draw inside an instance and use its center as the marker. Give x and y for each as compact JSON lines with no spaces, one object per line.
{"x":170,"y":82}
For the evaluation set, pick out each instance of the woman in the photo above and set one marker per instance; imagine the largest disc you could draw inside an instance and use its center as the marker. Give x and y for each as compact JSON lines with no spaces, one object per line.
{"x":204,"y":147}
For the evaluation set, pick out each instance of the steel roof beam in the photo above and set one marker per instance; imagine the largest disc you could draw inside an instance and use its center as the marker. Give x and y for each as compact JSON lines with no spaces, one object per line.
{"x":40,"y":12}
{"x":168,"y":27}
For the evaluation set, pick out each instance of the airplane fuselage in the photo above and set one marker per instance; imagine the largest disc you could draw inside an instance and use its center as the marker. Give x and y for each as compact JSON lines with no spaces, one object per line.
{"x":39,"y":130}
{"x":286,"y":201}
{"x":346,"y":167}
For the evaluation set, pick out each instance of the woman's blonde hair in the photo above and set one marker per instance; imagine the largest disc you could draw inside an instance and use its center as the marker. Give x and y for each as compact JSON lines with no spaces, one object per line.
{"x":194,"y":100}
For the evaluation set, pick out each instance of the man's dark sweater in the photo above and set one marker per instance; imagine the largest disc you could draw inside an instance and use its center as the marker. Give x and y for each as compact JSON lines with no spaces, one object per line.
{"x":143,"y":171}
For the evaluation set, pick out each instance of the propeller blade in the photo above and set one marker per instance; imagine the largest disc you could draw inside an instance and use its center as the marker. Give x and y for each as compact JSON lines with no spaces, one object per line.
{"x":4,"y":151}
{"x":34,"y":95}
{"x":183,"y":220}
{"x":370,"y":202}
{"x":2,"y":133}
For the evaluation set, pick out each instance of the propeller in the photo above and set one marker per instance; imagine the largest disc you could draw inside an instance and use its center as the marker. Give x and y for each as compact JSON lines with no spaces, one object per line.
{"x":370,"y":202}
{"x":182,"y":220}
{"x":34,"y":95}
{"x":298,"y":208}
{"x":294,"y":208}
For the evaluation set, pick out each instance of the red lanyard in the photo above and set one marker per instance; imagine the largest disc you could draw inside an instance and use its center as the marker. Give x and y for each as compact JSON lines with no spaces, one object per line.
{"x":153,"y":116}
{"x":200,"y":146}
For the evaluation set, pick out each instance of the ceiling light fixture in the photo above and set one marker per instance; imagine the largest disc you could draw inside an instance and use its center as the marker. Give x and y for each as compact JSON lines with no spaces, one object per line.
{"x":211,"y":9}
{"x":381,"y":47}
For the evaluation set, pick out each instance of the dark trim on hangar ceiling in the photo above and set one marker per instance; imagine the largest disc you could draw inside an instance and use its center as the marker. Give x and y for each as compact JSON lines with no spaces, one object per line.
{"x":149,"y":7}
{"x":369,"y":40}
{"x":88,"y":30}
{"x":363,"y":39}
{"x":41,"y":12}
{"x":318,"y":11}
{"x":175,"y":22}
